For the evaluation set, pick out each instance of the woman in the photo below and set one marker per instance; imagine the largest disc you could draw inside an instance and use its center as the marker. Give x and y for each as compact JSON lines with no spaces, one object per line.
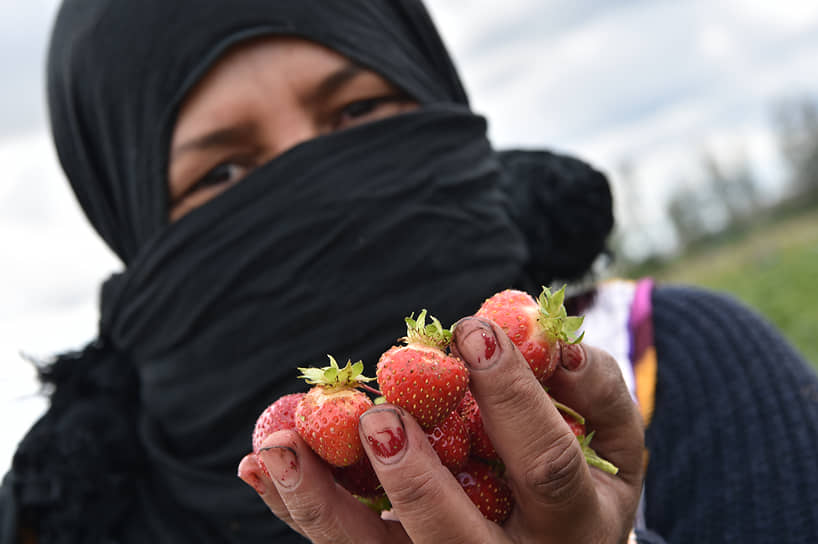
{"x":288,"y":179}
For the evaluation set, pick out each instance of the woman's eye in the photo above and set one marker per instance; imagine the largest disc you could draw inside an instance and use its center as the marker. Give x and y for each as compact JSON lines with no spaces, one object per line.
{"x":228,"y":172}
{"x":370,"y":109}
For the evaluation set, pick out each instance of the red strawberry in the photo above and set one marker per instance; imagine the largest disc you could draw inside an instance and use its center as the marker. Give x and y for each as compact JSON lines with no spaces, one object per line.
{"x":359,"y":478}
{"x":535,"y":326}
{"x":450,"y":440}
{"x":481,"y":446}
{"x":490,"y":494}
{"x":279,"y":416}
{"x":327,"y":416}
{"x":419,"y":376}
{"x":576,"y":427}
{"x":574,"y":420}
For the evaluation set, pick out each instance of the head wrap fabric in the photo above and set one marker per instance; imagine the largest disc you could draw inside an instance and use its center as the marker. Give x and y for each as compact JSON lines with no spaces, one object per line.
{"x":564,"y":208}
{"x":117,"y":74}
{"x":323,"y":250}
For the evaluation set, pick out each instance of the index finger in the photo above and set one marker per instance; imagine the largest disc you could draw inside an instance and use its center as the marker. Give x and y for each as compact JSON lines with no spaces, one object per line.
{"x":428,"y":500}
{"x":315,"y":504}
{"x":544,"y":461}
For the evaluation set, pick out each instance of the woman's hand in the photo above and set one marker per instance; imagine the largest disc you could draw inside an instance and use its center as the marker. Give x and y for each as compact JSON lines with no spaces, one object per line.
{"x":558,"y":497}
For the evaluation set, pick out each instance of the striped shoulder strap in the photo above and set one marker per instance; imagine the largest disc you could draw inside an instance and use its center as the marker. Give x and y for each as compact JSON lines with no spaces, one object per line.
{"x":643,"y":351}
{"x":620,"y":321}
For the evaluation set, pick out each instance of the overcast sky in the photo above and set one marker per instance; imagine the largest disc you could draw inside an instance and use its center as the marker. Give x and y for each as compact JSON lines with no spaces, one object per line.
{"x":648,"y":82}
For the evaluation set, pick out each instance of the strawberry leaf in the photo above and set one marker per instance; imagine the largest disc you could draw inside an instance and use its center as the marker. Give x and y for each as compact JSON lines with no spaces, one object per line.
{"x":554,"y":319}
{"x":332,"y":376}
{"x":434,"y":334}
{"x":592,"y":458}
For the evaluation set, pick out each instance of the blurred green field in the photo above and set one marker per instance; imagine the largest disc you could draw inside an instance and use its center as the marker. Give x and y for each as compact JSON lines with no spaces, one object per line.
{"x":773,"y":267}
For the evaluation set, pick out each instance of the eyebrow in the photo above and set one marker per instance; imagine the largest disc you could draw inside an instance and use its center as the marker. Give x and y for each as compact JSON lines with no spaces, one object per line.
{"x":333,"y":82}
{"x":230,"y":135}
{"x":218,"y":138}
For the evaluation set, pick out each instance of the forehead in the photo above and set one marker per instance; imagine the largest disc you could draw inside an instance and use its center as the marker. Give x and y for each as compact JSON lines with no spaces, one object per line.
{"x":277,"y":65}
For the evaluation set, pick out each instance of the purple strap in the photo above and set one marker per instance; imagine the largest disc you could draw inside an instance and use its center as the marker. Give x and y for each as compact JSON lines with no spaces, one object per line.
{"x":640,"y":322}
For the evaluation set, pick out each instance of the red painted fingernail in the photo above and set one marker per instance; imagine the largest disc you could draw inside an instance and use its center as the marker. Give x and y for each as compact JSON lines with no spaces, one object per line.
{"x":475,"y":342}
{"x":282,"y":464}
{"x":253,"y":479}
{"x":572,"y":356}
{"x":385,"y":434}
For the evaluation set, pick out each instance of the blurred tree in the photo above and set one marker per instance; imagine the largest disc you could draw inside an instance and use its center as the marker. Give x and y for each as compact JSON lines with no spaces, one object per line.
{"x":631,"y":241}
{"x":734,"y":186}
{"x":685,"y":212}
{"x":796,"y":123}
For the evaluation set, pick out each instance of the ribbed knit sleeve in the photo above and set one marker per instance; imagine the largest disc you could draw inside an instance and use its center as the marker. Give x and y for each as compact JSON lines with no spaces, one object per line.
{"x":734,"y":438}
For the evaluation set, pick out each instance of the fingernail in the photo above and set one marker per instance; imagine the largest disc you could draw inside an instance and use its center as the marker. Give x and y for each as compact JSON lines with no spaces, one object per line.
{"x":253,"y":479}
{"x":282,"y":464}
{"x":475,"y":342}
{"x":385,"y":433}
{"x":572,"y":356}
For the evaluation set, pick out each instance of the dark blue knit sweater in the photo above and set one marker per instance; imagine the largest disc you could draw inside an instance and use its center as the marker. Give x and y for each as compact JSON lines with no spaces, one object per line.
{"x":734,"y":438}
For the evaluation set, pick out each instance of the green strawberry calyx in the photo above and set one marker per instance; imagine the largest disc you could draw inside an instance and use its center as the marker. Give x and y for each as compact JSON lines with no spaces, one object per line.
{"x":593,"y":458}
{"x":554,"y":319}
{"x":334,"y":377}
{"x":378,"y":504}
{"x":434,"y":334}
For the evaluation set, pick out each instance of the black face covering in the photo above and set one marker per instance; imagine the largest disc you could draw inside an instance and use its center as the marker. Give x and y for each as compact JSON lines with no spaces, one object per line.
{"x":323,"y":250}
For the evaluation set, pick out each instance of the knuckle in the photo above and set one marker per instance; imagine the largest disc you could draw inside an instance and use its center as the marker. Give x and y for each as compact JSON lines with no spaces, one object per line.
{"x":310,"y":513}
{"x":417,"y":489}
{"x":513,"y":394}
{"x":612,"y":389}
{"x":609,"y":385}
{"x":556,"y":471}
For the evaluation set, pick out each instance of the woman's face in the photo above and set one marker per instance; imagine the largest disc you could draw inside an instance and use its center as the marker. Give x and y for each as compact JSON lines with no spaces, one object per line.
{"x":262,"y":98}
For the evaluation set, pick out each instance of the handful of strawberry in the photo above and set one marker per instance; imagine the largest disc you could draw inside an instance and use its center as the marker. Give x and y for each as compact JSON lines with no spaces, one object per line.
{"x":431,"y":384}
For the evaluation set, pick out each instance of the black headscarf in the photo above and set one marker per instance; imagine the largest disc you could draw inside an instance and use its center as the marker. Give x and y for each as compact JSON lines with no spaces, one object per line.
{"x":323,"y":250}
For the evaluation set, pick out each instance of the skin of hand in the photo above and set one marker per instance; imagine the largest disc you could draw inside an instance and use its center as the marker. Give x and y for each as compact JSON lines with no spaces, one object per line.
{"x":558,"y":497}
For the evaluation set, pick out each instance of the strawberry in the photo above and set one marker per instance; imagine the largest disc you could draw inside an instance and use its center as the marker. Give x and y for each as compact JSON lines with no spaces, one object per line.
{"x":450,"y":440}
{"x":420,"y":376}
{"x":279,"y":416}
{"x":490,"y":494}
{"x":327,"y":416}
{"x":573,"y":418}
{"x":537,"y":327}
{"x":481,"y":446}
{"x":577,"y":426}
{"x":359,"y":478}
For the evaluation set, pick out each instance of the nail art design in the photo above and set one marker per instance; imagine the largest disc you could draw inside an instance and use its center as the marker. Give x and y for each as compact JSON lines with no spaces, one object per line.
{"x":476,"y":343}
{"x":282,"y":464}
{"x":385,"y":434}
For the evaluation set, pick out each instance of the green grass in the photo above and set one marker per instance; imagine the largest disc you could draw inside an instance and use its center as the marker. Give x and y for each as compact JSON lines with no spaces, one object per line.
{"x":773,"y":267}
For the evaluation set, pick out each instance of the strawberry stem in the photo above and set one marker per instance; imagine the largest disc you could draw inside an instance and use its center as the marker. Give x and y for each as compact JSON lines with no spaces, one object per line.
{"x":576,"y":416}
{"x":371,"y":389}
